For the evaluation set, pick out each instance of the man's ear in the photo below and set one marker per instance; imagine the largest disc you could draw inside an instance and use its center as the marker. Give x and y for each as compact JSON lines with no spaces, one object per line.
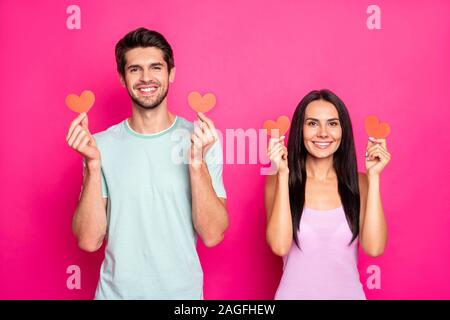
{"x":122,"y":80}
{"x":172,"y":75}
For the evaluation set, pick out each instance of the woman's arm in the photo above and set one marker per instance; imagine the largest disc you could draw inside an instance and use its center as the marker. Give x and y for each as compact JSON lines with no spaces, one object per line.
{"x":373,"y":228}
{"x":279,"y":220}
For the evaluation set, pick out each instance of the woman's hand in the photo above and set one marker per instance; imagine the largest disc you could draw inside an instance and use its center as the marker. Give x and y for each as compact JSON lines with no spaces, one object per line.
{"x":377,"y":156}
{"x":277,"y":153}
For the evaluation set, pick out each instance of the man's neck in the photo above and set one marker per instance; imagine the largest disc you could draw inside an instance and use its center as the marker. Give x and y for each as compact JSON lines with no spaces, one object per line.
{"x":150,"y":121}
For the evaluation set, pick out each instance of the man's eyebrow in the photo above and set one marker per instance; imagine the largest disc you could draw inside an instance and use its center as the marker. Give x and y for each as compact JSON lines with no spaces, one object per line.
{"x":156,"y":64}
{"x":134,"y":66}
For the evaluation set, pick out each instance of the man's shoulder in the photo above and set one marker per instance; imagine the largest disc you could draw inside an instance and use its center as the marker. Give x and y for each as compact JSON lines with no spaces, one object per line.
{"x":113,"y":132}
{"x":184,"y":124}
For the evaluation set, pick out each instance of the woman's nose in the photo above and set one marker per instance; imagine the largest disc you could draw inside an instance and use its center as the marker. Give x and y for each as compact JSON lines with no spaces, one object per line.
{"x":322,"y":132}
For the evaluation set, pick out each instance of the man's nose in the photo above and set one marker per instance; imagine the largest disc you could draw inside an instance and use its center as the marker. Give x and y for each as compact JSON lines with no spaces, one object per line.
{"x":145,"y":76}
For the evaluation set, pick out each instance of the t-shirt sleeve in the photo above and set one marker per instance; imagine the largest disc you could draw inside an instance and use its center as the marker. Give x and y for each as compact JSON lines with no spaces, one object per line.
{"x":104,"y":186}
{"x":214,"y":162}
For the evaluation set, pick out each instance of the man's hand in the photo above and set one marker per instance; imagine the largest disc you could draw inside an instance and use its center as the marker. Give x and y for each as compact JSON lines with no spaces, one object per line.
{"x":80,"y":139}
{"x":203,"y":137}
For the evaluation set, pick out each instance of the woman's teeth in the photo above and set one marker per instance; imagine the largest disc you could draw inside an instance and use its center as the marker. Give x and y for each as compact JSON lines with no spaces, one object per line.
{"x":322,"y":145}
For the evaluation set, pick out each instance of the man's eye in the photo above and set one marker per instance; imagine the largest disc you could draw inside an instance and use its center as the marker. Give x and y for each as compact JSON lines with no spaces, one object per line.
{"x":157,"y":68}
{"x":133,"y":70}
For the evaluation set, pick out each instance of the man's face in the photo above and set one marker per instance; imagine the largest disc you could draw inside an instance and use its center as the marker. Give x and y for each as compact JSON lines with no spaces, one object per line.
{"x":147,"y":76}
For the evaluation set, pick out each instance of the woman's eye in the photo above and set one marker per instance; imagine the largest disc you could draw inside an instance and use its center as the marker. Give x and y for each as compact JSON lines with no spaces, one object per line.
{"x":333,"y":124}
{"x":311,"y":123}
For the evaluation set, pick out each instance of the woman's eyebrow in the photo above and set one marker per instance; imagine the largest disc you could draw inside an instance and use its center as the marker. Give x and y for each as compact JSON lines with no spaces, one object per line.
{"x":328,"y":120}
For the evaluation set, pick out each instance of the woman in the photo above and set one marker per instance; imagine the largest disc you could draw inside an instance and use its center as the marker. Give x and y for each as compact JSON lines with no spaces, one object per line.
{"x":319,"y":207}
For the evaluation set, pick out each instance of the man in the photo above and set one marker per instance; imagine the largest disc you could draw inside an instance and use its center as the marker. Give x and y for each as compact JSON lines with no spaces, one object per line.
{"x":136,"y":193}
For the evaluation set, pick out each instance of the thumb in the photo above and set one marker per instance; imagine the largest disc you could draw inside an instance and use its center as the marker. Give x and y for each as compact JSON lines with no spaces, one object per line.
{"x":85,"y":122}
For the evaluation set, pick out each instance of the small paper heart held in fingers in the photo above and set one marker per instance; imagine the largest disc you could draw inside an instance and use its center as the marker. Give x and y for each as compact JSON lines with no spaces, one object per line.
{"x":281,"y":124}
{"x":81,"y":103}
{"x":376,"y":129}
{"x":201,"y":103}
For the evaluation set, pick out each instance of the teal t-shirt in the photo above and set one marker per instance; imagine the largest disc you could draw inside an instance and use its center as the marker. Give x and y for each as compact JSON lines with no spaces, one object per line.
{"x":150,"y":241}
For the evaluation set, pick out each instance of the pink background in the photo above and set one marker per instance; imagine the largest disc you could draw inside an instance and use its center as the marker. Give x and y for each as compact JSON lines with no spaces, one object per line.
{"x":259,"y":58}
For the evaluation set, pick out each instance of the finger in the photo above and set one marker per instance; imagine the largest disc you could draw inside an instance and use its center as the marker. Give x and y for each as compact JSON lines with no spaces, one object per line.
{"x":207,"y":133}
{"x":85,"y":122}
{"x":272,"y":145}
{"x":273,"y":153}
{"x":285,"y":155}
{"x":377,"y":154}
{"x":74,"y":123}
{"x":199,"y":133}
{"x":384,"y":156}
{"x":79,"y":146}
{"x":377,"y":140}
{"x":285,"y":152}
{"x":78,"y":139}
{"x":74,"y":135}
{"x":205,"y":119}
{"x":276,"y":156}
{"x":373,"y":148}
{"x":195,"y":141}
{"x":372,"y":142}
{"x":275,"y":148}
{"x":210,"y":124}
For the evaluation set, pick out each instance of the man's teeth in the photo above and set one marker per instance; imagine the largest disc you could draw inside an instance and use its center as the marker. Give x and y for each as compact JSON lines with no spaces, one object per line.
{"x":152,"y":89}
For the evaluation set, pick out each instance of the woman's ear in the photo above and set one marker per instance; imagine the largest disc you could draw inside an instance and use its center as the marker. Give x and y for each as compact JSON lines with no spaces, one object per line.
{"x":172,"y":75}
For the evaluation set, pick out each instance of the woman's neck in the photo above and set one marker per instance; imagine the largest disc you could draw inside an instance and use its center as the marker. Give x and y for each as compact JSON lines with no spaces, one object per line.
{"x":320,"y":169}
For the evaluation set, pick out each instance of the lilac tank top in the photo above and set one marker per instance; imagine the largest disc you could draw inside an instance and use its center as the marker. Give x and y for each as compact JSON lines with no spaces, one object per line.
{"x":326,"y":266}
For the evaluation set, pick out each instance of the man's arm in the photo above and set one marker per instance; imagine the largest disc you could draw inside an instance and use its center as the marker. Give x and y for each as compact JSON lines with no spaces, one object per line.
{"x":209,"y":213}
{"x":89,"y":220}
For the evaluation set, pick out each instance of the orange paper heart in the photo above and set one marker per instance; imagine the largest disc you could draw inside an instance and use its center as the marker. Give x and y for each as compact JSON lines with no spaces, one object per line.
{"x":201,"y":104}
{"x":376,"y":129}
{"x":80,"y":103}
{"x":282,"y":125}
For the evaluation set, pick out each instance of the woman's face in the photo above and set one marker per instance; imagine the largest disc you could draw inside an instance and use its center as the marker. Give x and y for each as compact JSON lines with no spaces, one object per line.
{"x":322,"y":130}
